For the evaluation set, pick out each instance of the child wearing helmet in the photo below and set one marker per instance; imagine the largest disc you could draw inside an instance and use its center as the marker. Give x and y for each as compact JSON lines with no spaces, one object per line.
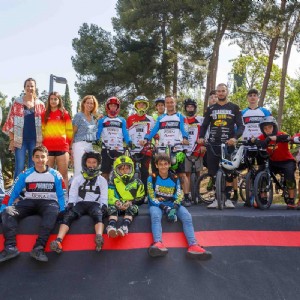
{"x":87,"y":196}
{"x":125,"y":193}
{"x":138,"y":125}
{"x":194,"y":149}
{"x":281,"y":159}
{"x":165,"y":197}
{"x":159,"y":107}
{"x":112,"y":131}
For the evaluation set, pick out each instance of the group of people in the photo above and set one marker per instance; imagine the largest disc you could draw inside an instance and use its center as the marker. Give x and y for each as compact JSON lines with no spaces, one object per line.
{"x":104,"y":183}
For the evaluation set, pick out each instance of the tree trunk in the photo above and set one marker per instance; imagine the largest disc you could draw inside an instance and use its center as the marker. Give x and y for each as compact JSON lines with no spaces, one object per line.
{"x":272,"y":51}
{"x":288,"y":43}
{"x":175,"y":75}
{"x":164,"y":62}
{"x":213,"y":63}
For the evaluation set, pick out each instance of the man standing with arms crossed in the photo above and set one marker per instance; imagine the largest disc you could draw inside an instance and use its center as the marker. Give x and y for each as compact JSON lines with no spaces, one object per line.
{"x":222,"y":118}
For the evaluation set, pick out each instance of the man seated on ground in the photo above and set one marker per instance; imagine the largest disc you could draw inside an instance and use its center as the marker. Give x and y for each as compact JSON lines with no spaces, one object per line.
{"x":125,"y":193}
{"x":88,"y":195}
{"x":165,"y":197}
{"x":44,"y":195}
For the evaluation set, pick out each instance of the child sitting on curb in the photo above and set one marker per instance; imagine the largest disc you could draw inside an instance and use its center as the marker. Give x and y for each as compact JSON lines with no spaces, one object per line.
{"x":125,"y":193}
{"x":165,"y":197}
{"x":88,"y":195}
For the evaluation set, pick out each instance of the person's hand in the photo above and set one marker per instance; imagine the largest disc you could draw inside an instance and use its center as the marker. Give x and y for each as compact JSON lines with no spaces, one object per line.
{"x":185,"y":142}
{"x":172,"y":216}
{"x":273,"y":138}
{"x":201,"y":141}
{"x":12,"y":211}
{"x":126,"y":205}
{"x":11,"y":146}
{"x":231,"y":142}
{"x":202,"y":149}
{"x":104,"y":209}
{"x":118,"y":204}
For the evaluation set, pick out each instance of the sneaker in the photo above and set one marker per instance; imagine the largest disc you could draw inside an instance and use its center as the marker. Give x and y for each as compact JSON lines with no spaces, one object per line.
{"x":56,"y":246}
{"x":196,"y":251}
{"x":38,"y":253}
{"x":229,"y":204}
{"x":186,"y":202}
{"x":157,"y":249}
{"x":213,"y":205}
{"x":9,"y":253}
{"x":111,"y":231}
{"x":123,"y":230}
{"x":99,"y":242}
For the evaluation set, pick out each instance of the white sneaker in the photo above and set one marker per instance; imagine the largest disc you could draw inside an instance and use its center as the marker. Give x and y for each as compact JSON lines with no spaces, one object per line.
{"x":229,"y":204}
{"x":213,"y":205}
{"x":123,"y":230}
{"x":111,"y":231}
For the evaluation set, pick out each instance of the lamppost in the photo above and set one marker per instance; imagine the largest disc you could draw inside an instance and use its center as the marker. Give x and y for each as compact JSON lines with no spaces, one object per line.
{"x":57,"y":79}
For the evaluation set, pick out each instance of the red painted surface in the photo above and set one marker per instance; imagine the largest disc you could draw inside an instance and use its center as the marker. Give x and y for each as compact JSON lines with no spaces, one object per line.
{"x":220,"y":238}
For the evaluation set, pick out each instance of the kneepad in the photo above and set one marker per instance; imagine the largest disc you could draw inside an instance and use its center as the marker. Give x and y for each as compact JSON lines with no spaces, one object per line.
{"x":69,"y":217}
{"x":112,"y":210}
{"x":132,"y":210}
{"x":96,"y":215}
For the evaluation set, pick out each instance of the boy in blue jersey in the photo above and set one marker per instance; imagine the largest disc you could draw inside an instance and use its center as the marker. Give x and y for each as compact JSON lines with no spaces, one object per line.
{"x":43,"y":189}
{"x":165,"y":197}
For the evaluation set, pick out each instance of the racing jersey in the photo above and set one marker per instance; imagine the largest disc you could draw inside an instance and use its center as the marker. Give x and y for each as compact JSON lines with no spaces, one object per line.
{"x":251,"y":119}
{"x":166,"y":191}
{"x":90,"y":190}
{"x":112,"y":132}
{"x":48,"y":185}
{"x":225,"y":122}
{"x":194,"y":124}
{"x":138,"y":127}
{"x":172,"y":129}
{"x":131,"y":191}
{"x":279,"y":152}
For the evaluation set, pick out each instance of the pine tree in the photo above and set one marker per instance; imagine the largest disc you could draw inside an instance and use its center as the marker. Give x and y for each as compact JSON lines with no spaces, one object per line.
{"x":67,"y":101}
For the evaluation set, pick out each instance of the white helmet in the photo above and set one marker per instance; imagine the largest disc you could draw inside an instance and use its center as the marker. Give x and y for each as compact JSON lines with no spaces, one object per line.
{"x":235,"y":161}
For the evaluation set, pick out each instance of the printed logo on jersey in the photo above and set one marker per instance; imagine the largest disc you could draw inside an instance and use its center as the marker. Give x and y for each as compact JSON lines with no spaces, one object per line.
{"x":252,"y":119}
{"x":40,"y":187}
{"x":220,"y":123}
{"x":170,"y":124}
{"x":164,"y":191}
{"x":112,"y":124}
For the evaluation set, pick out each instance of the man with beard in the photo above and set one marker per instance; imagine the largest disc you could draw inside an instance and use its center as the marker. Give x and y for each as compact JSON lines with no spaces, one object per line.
{"x":226,"y":126}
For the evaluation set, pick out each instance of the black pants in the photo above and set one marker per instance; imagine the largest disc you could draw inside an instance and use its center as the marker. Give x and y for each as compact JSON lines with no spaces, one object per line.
{"x":47,"y":209}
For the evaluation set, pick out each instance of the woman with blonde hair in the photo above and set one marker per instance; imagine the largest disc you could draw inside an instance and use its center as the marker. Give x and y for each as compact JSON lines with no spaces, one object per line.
{"x":57,"y":134}
{"x":24,"y":125}
{"x":84,"y":130}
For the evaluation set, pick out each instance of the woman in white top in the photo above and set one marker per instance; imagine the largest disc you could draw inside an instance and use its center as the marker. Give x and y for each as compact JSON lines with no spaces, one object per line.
{"x":84,"y":130}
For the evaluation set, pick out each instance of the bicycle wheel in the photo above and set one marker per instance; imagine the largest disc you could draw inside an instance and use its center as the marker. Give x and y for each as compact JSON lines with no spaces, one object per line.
{"x":205,"y":191}
{"x":220,"y":189}
{"x":249,"y":189}
{"x":242,"y":188}
{"x":193,"y":183}
{"x":263,"y":189}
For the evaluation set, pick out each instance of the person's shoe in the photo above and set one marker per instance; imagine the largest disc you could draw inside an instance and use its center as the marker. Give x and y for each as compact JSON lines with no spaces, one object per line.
{"x":99,"y":242}
{"x":196,"y":251}
{"x":111,"y":231}
{"x":38,"y":253}
{"x":229,"y":204}
{"x":122,"y":230}
{"x":187,"y":202}
{"x":291,"y":204}
{"x":9,"y":253}
{"x":56,"y":246}
{"x":157,"y":249}
{"x":213,"y":205}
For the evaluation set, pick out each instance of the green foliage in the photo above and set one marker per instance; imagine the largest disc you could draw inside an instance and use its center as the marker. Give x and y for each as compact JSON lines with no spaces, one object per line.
{"x":67,"y":101}
{"x":250,"y":72}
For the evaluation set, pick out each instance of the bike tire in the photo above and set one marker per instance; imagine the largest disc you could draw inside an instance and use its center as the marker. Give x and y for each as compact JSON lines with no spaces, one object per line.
{"x":250,"y":195}
{"x":205,"y":192}
{"x":242,"y":189}
{"x":263,"y":185}
{"x":220,"y":189}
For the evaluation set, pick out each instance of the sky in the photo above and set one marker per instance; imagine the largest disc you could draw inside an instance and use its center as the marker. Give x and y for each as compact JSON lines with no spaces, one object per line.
{"x":36,"y":41}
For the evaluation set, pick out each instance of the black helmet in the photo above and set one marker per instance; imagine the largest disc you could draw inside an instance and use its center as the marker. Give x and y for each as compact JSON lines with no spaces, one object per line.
{"x":268,"y":121}
{"x":159,"y":100}
{"x":187,"y":102}
{"x":89,"y":173}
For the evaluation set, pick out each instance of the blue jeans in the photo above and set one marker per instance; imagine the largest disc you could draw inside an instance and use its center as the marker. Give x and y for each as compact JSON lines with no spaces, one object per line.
{"x":183,"y":215}
{"x":20,"y":155}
